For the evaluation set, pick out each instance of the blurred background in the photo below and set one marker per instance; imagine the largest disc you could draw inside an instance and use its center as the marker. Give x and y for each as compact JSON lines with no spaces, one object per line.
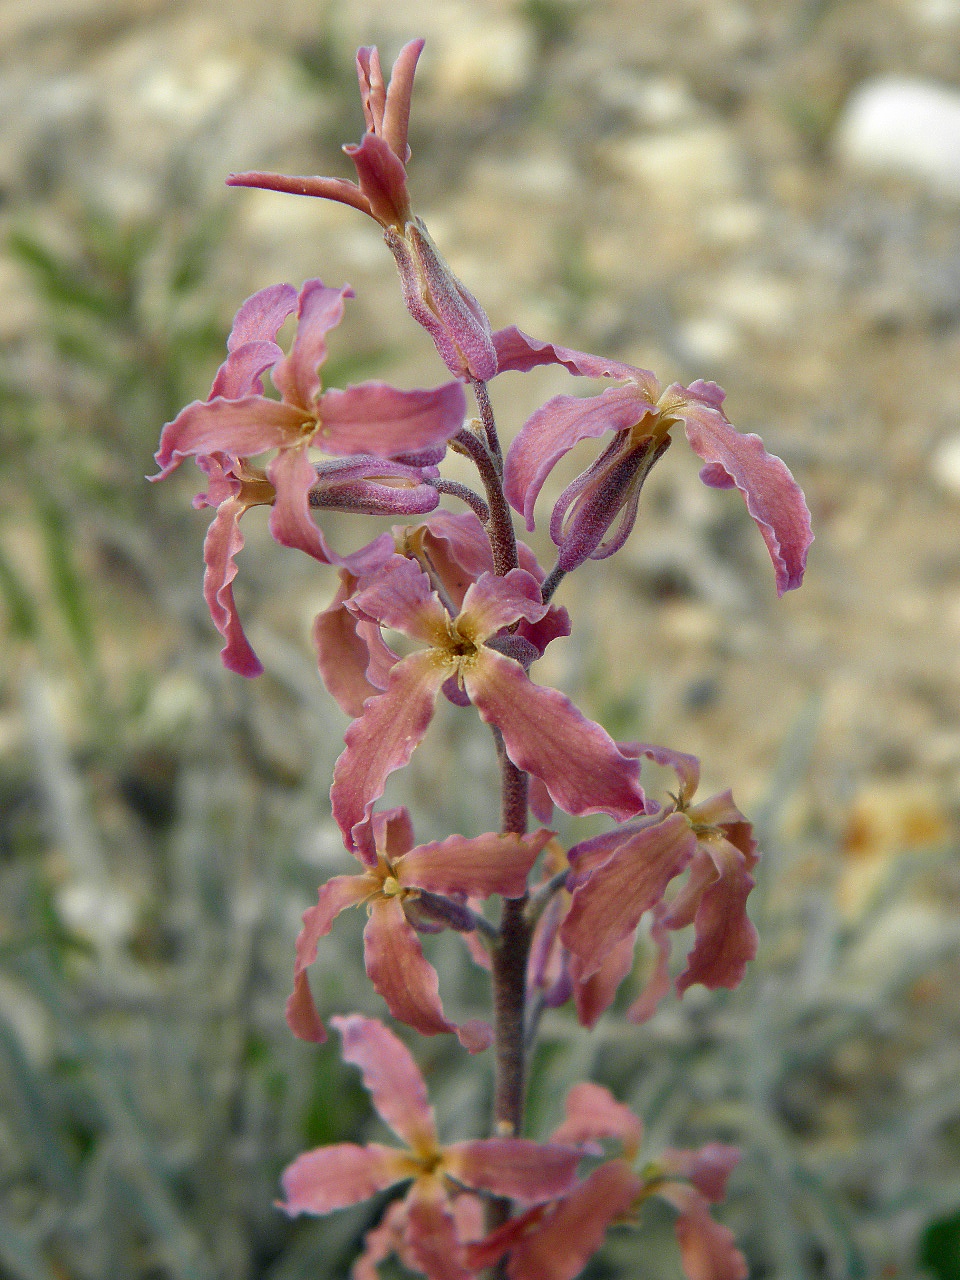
{"x":762,"y":193}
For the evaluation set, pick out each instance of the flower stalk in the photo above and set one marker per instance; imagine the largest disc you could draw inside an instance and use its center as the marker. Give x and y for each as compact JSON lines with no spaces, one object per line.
{"x":477,"y":610}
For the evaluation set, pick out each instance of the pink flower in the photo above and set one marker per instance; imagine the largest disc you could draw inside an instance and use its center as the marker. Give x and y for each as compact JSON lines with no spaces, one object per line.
{"x":372,"y":424}
{"x":336,"y":1176}
{"x":543,"y":732}
{"x":619,"y":876}
{"x":641,"y":414}
{"x":434,"y":296}
{"x":399,"y":880}
{"x":556,"y":1241}
{"x":453,"y":549}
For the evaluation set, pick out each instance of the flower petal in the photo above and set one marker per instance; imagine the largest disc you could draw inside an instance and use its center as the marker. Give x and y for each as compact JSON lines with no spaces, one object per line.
{"x":726,"y":940}
{"x":431,"y":1233}
{"x":343,"y":647}
{"x":492,"y":602}
{"x":686,"y":767}
{"x":708,"y":1168}
{"x":401,"y":974}
{"x":395,"y":118}
{"x":384,"y":738}
{"x":707,"y":1250}
{"x":391,"y":1077}
{"x":240,"y":428}
{"x":478,"y":866}
{"x":514,"y":1167}
{"x":333,"y":1177}
{"x":594,"y":1113}
{"x":594,"y":994}
{"x":545,"y":734}
{"x":658,"y":983}
{"x":296,"y":377}
{"x":383,"y":180}
{"x":373,"y":417}
{"x":774,"y":499}
{"x":334,"y":896}
{"x":555,"y":428}
{"x":401,"y":597}
{"x":252,"y":342}
{"x":518,"y":352}
{"x":607,"y":908}
{"x":293,"y":475}
{"x":568,"y":1238}
{"x":220,"y":547}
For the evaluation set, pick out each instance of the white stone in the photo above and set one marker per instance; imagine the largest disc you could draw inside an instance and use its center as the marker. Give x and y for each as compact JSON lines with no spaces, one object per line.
{"x":687,"y":165}
{"x":909,"y":128}
{"x":945,"y":464}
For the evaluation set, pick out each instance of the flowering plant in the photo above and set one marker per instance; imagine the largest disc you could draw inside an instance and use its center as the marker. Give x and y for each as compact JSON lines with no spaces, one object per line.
{"x":479,"y":610}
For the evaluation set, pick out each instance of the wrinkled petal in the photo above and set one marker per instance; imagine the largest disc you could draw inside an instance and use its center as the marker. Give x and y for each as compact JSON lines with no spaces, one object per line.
{"x":401,"y":597}
{"x":593,"y":1113}
{"x":708,"y":1168}
{"x":585,"y":857}
{"x":514,"y":1167}
{"x":334,"y":1177}
{"x":384,"y":738}
{"x":373,"y":417}
{"x":774,"y":499}
{"x":726,"y":940}
{"x":380,"y":1242}
{"x":658,"y":983}
{"x":553,"y":430}
{"x":477,"y":866}
{"x":707,"y":1249}
{"x":252,"y":342}
{"x":222,"y":544}
{"x":342,"y":644}
{"x":545,"y":734}
{"x":262,"y":315}
{"x":334,"y":896}
{"x":518,"y":352}
{"x":293,"y":476}
{"x":240,"y":374}
{"x":563,"y":1242}
{"x":402,"y":975}
{"x":373,"y":89}
{"x":240,"y":428}
{"x":686,"y":767}
{"x":391,"y":1077}
{"x":392,"y":831}
{"x":607,"y":908}
{"x":319,"y":309}
{"x":492,"y":603}
{"x":594,"y":994}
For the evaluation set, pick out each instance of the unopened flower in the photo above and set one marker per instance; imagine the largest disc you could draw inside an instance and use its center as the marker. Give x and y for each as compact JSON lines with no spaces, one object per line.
{"x":396,"y":877}
{"x":543,"y":732}
{"x":624,"y":873}
{"x":336,"y":1176}
{"x":434,"y":296}
{"x":641,"y":414}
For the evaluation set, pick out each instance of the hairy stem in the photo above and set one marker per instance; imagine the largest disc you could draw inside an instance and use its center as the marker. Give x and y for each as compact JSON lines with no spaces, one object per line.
{"x":489,"y":424}
{"x":499,"y":527}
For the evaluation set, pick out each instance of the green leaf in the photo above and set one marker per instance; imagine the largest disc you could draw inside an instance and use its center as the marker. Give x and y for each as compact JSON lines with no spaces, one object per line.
{"x":939,"y":1252}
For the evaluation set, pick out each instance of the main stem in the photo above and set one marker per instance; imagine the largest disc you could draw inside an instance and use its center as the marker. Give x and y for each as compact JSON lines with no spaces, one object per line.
{"x":512,"y":947}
